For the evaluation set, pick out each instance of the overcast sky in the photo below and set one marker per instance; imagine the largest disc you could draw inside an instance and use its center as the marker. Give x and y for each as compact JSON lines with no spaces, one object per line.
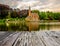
{"x":42,"y":5}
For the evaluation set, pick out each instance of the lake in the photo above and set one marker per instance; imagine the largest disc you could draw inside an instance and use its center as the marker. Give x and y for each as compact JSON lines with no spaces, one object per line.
{"x":30,"y":26}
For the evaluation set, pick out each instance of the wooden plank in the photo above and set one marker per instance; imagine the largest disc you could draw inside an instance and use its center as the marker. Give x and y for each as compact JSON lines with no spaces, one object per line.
{"x":29,"y":39}
{"x":10,"y":40}
{"x":48,"y":41}
{"x":36,"y":41}
{"x":56,"y":36}
{"x":38,"y":38}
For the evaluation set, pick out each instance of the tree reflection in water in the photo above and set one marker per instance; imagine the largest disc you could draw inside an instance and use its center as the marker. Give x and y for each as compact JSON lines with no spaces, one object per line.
{"x":28,"y":26}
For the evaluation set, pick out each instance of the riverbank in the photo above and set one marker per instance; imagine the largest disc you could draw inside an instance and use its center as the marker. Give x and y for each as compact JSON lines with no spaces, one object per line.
{"x":23,"y":19}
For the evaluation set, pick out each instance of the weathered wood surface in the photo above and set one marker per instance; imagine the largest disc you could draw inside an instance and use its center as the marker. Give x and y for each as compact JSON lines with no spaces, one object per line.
{"x":37,"y":38}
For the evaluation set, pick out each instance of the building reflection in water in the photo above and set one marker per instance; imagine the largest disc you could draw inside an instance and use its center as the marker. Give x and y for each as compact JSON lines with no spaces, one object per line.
{"x":33,"y":26}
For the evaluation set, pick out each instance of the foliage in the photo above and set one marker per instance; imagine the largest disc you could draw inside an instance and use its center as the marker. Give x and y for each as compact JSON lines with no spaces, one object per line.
{"x":48,"y":15}
{"x":21,"y":15}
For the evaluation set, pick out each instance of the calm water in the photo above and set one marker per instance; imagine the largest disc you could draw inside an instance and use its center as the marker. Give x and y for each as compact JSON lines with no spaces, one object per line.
{"x":30,"y":26}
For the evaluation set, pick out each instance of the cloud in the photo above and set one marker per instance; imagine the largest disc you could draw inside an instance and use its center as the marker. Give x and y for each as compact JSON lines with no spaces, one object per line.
{"x":27,"y":4}
{"x":35,"y":4}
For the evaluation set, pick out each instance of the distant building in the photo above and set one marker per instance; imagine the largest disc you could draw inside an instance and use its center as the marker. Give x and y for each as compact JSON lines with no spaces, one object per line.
{"x":32,"y":16}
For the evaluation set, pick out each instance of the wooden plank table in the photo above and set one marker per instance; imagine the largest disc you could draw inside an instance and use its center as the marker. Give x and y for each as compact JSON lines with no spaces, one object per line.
{"x":33,"y":38}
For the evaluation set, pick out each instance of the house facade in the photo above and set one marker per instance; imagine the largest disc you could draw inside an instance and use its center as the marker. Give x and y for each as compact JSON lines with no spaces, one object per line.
{"x":32,"y":16}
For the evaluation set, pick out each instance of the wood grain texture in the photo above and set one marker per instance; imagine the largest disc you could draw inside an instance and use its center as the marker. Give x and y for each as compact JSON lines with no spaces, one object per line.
{"x":33,"y":38}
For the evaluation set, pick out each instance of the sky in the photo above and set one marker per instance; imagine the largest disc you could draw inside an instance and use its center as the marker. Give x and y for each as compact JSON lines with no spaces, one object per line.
{"x":42,"y":5}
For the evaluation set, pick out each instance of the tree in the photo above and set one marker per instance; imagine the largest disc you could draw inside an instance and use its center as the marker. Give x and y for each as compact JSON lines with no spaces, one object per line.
{"x":4,"y":10}
{"x":14,"y":13}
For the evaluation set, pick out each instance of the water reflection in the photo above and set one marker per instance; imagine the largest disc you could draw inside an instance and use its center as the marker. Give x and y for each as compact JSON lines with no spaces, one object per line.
{"x":49,"y":27}
{"x":29,"y":26}
{"x":33,"y":26}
